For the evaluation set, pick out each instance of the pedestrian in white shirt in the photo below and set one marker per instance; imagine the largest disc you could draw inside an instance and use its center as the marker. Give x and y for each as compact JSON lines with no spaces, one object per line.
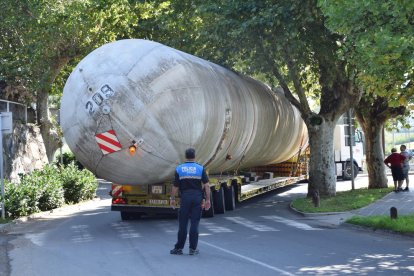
{"x":406,"y":165}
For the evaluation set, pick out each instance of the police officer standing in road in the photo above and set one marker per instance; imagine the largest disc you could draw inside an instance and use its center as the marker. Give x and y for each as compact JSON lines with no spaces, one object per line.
{"x":191,"y":179}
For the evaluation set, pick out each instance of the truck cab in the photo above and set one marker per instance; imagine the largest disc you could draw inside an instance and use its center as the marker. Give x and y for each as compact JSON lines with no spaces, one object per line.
{"x":342,"y":152}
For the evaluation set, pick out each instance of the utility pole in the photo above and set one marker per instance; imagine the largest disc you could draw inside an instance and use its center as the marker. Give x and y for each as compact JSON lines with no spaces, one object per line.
{"x":351,"y":140}
{"x":61,"y":151}
{"x":5,"y":128}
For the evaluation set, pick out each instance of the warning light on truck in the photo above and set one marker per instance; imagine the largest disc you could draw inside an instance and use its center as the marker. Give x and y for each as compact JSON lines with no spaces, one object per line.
{"x":133,"y":148}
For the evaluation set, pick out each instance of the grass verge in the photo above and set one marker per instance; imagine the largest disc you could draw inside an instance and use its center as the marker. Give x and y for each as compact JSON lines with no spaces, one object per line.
{"x":355,"y":199}
{"x":403,"y":224}
{"x":343,"y":201}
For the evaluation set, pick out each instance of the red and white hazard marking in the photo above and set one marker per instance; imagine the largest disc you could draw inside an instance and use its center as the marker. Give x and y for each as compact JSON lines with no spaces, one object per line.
{"x":116,"y":190}
{"x":108,"y":142}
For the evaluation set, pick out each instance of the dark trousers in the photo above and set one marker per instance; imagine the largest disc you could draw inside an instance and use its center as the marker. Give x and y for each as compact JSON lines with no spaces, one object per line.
{"x":190,"y":209}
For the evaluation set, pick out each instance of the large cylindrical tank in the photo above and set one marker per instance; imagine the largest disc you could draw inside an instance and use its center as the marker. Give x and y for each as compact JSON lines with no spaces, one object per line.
{"x":165,"y":101}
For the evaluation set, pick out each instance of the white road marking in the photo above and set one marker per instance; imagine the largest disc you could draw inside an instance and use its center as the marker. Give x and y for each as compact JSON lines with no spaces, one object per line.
{"x":125,"y":230}
{"x":278,"y":270}
{"x":250,"y":224}
{"x":213,"y":227}
{"x":290,"y":222}
{"x":81,"y":233}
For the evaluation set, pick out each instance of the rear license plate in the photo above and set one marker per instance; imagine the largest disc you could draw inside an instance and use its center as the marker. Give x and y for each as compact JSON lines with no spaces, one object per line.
{"x":157,"y":189}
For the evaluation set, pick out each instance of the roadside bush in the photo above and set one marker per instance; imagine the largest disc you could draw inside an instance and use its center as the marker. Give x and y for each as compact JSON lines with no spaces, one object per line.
{"x":37,"y":191}
{"x":47,"y":189}
{"x":20,"y":199}
{"x":68,"y":158}
{"x":77,"y":185}
{"x":50,"y":186}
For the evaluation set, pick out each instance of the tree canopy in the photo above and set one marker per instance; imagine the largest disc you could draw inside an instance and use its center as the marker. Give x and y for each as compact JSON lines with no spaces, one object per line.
{"x":288,"y":44}
{"x":43,"y":36}
{"x":378,"y":40}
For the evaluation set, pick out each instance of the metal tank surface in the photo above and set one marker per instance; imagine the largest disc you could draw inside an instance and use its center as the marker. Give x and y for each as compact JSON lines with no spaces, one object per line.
{"x":165,"y":101}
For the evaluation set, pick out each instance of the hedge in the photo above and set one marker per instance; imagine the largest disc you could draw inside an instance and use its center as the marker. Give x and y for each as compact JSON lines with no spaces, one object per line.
{"x":66,"y":159}
{"x":78,"y":185}
{"x":49,"y":188}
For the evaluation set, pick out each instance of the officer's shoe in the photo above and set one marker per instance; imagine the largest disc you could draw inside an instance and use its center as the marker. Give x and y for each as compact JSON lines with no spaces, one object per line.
{"x":176,"y":251}
{"x":406,"y":189}
{"x":193,"y":251}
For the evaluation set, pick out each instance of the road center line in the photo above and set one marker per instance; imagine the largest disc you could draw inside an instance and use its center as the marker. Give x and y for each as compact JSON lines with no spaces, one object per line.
{"x":281,"y":271}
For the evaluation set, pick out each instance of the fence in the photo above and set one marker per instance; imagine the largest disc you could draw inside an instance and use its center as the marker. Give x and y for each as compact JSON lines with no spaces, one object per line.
{"x":19,"y":110}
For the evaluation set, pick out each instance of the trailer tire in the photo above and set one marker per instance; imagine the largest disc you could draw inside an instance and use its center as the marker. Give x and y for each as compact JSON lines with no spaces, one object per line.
{"x":347,"y":171}
{"x":219,"y":204}
{"x":230,"y":198}
{"x":210,"y":212}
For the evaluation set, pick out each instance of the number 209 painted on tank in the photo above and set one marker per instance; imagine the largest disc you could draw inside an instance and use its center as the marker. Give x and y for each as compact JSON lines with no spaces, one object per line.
{"x":97,"y":99}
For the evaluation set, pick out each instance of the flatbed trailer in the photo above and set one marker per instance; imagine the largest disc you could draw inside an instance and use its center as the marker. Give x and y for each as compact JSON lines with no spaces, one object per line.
{"x":266,"y":185}
{"x":134,"y":201}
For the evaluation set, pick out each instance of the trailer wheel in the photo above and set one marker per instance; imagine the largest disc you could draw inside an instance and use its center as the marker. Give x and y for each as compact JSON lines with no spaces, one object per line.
{"x":219,"y":205}
{"x":347,"y":171}
{"x":210,"y":212}
{"x":230,"y":198}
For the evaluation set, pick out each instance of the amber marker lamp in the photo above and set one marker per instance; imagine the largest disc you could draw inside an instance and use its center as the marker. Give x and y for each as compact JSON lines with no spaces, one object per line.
{"x":133,"y":147}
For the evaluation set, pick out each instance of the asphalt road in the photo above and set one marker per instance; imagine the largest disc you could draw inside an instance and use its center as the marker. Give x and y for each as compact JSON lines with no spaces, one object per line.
{"x":261,"y":237}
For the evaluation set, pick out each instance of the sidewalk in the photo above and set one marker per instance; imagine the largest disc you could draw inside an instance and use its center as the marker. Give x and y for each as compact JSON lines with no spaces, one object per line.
{"x":403,"y":201}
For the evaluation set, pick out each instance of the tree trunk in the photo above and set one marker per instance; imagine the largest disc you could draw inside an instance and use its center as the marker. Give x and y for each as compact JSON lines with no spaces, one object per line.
{"x":50,"y":136}
{"x":374,"y":154}
{"x":372,"y":115}
{"x":49,"y":132}
{"x":322,"y":176}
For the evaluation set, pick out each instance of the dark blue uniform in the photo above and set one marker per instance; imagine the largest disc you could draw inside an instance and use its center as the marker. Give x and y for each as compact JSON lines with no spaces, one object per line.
{"x":189,"y":178}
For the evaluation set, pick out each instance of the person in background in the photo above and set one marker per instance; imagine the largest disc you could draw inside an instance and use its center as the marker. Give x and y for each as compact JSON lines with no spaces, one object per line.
{"x":395,"y":162}
{"x":406,"y":165}
{"x":191,"y":179}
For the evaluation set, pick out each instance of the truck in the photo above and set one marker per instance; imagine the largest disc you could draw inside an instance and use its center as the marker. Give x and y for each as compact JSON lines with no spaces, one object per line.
{"x":235,"y":187}
{"x":133,"y":201}
{"x":342,"y":149}
{"x":131,"y":107}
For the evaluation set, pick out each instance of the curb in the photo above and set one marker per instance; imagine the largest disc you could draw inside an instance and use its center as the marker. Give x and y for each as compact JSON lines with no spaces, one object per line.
{"x":350,"y":225}
{"x":317,"y":214}
{"x":381,"y":231}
